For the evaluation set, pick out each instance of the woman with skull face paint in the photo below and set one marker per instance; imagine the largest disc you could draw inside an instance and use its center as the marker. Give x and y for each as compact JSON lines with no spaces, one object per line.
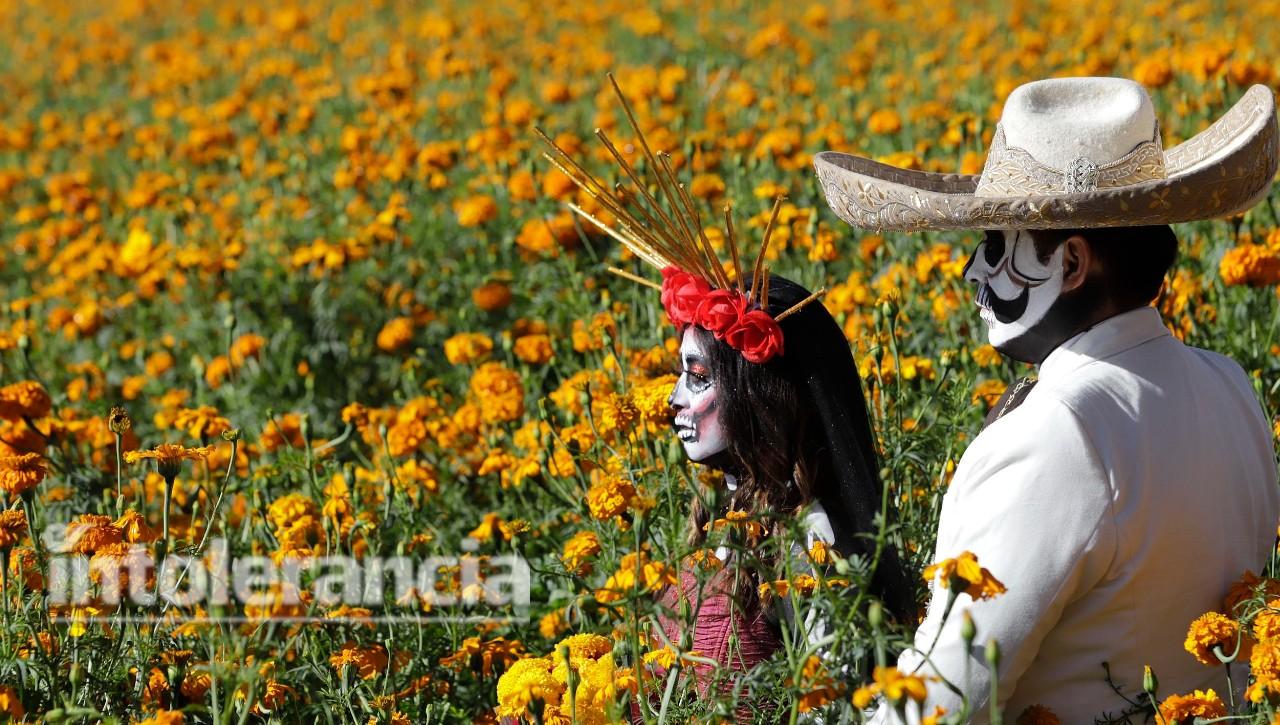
{"x":791,"y":435}
{"x":768,"y":393}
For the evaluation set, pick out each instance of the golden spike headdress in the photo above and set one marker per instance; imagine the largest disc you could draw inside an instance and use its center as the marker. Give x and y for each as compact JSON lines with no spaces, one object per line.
{"x":660,"y":224}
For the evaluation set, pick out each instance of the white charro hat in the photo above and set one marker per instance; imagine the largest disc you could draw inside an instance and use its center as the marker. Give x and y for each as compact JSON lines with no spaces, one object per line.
{"x":1072,"y":153}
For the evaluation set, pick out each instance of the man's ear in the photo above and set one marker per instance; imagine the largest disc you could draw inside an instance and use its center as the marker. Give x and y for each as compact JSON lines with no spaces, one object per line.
{"x":1077,"y":260}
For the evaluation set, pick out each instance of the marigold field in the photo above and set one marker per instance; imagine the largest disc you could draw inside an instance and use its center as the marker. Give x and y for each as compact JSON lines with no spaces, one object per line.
{"x":297,"y":278}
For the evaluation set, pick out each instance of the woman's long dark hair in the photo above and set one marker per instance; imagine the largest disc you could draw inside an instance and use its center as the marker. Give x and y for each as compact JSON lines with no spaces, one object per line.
{"x":802,"y":416}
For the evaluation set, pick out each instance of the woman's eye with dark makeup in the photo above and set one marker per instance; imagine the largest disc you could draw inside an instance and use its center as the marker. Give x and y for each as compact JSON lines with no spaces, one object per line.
{"x":697,"y":381}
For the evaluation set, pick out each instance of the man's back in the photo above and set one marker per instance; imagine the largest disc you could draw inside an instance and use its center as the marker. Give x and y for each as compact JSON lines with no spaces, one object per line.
{"x":1135,"y":483}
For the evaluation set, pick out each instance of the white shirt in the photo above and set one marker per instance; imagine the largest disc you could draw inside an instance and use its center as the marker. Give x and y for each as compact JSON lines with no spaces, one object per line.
{"x":1118,"y":503}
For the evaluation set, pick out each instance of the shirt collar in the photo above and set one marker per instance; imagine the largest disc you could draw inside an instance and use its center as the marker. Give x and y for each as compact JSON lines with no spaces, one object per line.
{"x":1109,"y":337}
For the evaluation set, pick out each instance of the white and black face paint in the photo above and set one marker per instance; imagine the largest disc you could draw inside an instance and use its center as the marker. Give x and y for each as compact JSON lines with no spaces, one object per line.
{"x":694,"y":398}
{"x":1015,"y":289}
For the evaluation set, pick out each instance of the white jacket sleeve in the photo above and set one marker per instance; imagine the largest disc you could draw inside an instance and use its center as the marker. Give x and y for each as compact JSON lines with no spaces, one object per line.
{"x":1033,"y":502}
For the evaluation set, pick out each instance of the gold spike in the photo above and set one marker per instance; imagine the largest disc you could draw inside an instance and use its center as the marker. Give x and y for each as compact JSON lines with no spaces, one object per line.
{"x":641,"y":250}
{"x":719,"y":277}
{"x":764,"y":246}
{"x":796,"y":307}
{"x":764,"y":296}
{"x":732,"y":240}
{"x":635,"y":278}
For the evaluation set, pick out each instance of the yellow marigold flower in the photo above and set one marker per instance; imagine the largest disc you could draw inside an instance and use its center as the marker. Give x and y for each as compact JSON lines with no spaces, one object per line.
{"x":1264,"y":660}
{"x":368,"y":661}
{"x":475,"y":210}
{"x":497,"y":389}
{"x":610,"y":497}
{"x":578,"y":549}
{"x":201,"y":423}
{"x":526,"y":681}
{"x":551,"y":624}
{"x":1250,"y":264}
{"x":467,"y":347}
{"x":884,"y":121}
{"x":1185,"y":708}
{"x":820,"y":552}
{"x":896,"y":687}
{"x":492,"y":296}
{"x":88,"y":533}
{"x":216,"y":372}
{"x":169,"y":457}
{"x":707,"y":186}
{"x":587,"y":645}
{"x":1037,"y":715}
{"x":289,"y":508}
{"x":164,"y":717}
{"x":986,"y":356}
{"x":964,"y":571}
{"x":1153,"y":72}
{"x":247,"y":346}
{"x":533,"y":349}
{"x":13,"y":524}
{"x":21,"y":472}
{"x":650,"y":399}
{"x":135,"y":528}
{"x":25,"y":399}
{"x":988,"y":392}
{"x":394,"y":335}
{"x":1266,"y":623}
{"x":1208,"y":631}
{"x":753,"y":528}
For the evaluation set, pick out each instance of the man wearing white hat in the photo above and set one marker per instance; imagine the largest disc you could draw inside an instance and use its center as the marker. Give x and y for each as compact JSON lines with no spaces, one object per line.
{"x":1119,"y":494}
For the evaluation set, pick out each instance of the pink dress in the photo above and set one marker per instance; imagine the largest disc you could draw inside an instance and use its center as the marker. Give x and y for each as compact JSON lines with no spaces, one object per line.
{"x":716,"y":619}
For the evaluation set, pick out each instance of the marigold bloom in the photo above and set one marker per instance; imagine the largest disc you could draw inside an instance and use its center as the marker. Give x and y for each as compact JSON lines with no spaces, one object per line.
{"x":135,"y":529}
{"x":21,"y":472}
{"x":895,"y":686}
{"x":475,"y":210}
{"x":492,"y":296}
{"x":533,"y":349}
{"x":88,"y":533}
{"x":524,"y":682}
{"x":467,"y":347}
{"x":1250,"y":264}
{"x":13,"y":524}
{"x":25,"y":399}
{"x":610,"y":497}
{"x":1185,"y":708}
{"x":169,"y":457}
{"x":1208,"y":631}
{"x":578,"y":549}
{"x":368,"y":661}
{"x":11,"y":704}
{"x":395,"y":334}
{"x":964,"y":571}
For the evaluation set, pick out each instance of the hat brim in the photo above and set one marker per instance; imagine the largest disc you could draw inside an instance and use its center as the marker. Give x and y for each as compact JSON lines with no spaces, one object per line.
{"x":1223,"y":170}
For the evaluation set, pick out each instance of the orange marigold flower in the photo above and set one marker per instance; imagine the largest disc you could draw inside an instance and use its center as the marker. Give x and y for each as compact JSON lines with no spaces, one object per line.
{"x":21,"y":472}
{"x":368,"y":661}
{"x":578,"y":549}
{"x":246,"y":346}
{"x":135,"y":528}
{"x":964,"y":571}
{"x":1185,"y":708}
{"x":13,"y":524}
{"x":1266,"y":623}
{"x":884,"y":121}
{"x":476,"y":210}
{"x":88,"y":533}
{"x":895,"y":686}
{"x":610,"y":497}
{"x":534,"y":349}
{"x":11,"y":704}
{"x":169,"y":457}
{"x":1250,"y":264}
{"x":1208,"y":631}
{"x":1246,"y":587}
{"x":26,"y":399}
{"x":216,"y":372}
{"x":467,"y":347}
{"x":492,"y":296}
{"x":394,"y":335}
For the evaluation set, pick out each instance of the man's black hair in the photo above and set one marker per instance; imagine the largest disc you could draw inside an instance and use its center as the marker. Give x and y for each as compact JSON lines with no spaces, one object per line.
{"x":1134,"y":259}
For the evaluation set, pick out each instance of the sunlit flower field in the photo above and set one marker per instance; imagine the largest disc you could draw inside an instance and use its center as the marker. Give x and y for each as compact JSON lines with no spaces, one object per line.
{"x":293,"y":281}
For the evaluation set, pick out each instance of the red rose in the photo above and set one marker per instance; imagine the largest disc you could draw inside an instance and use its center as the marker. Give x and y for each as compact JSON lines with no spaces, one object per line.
{"x":756,"y":335}
{"x":681,"y":294}
{"x":720,"y":310}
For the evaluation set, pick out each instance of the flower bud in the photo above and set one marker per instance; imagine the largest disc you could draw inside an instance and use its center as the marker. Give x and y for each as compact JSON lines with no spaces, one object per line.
{"x":875,"y":615}
{"x":1149,"y":682}
{"x":993,"y":655}
{"x":118,"y":420}
{"x":968,"y":630}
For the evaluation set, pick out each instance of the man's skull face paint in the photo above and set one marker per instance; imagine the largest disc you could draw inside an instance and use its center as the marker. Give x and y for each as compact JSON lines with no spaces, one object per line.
{"x":694,"y":398}
{"x":1015,"y":289}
